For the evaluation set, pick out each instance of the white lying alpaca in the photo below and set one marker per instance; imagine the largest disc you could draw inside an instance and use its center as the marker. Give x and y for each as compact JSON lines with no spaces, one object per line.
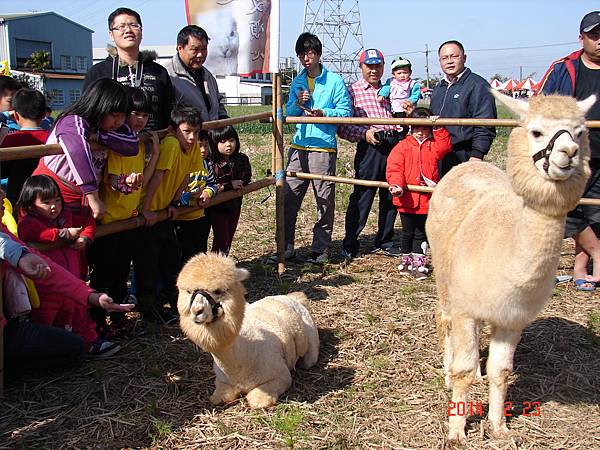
{"x":254,"y":346}
{"x":495,"y":240}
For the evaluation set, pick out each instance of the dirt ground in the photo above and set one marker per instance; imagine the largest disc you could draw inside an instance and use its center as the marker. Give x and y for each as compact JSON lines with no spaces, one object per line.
{"x":378,"y":382}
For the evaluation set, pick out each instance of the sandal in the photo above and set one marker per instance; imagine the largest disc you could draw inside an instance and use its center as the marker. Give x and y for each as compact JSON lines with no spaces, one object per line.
{"x":584,"y":285}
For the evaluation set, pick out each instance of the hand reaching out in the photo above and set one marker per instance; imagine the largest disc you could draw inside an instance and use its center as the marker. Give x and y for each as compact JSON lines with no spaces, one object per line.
{"x":106,"y":303}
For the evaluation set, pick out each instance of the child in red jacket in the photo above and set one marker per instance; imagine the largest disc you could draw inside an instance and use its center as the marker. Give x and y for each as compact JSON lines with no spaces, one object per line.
{"x":414,"y":160}
{"x":43,"y":220}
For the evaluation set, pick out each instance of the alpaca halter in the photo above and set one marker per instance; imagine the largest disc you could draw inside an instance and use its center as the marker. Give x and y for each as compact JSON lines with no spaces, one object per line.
{"x":545,"y":152}
{"x":213,"y":304}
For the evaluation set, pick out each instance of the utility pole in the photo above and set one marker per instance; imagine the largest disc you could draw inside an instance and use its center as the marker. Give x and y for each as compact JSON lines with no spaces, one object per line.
{"x":520,"y":73}
{"x":427,"y":66}
{"x":337,"y":23}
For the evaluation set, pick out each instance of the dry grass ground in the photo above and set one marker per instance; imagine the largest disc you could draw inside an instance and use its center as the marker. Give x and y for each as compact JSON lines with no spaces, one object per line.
{"x":377,"y":384}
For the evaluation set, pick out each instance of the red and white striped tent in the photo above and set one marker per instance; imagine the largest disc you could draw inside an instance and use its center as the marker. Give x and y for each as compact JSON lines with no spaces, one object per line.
{"x":508,"y":85}
{"x":495,"y":84}
{"x":527,"y":84}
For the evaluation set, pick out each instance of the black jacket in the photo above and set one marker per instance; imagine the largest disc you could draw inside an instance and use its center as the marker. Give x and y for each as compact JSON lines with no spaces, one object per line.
{"x":148,"y":74}
{"x":469,"y":97}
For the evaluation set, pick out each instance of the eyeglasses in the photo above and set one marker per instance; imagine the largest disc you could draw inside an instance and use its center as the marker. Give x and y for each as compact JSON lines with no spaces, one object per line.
{"x":310,"y":54}
{"x":123,"y":26}
{"x":450,"y":58}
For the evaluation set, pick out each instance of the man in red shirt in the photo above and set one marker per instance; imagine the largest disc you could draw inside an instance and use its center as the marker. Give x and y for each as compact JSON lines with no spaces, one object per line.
{"x":29,"y":106}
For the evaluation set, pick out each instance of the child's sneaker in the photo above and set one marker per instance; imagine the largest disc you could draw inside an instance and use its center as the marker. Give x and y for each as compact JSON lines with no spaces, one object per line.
{"x":406,"y":263}
{"x":419,"y":267}
{"x":101,"y":349}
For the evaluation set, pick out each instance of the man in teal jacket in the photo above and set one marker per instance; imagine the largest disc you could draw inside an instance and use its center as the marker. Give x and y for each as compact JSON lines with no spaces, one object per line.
{"x":315,"y":92}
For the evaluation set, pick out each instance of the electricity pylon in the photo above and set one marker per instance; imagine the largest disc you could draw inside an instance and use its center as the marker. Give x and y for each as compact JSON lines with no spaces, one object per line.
{"x":337,"y":24}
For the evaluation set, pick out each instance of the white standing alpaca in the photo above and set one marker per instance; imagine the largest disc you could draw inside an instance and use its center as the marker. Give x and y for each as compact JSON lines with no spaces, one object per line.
{"x":495,"y":240}
{"x":254,"y":346}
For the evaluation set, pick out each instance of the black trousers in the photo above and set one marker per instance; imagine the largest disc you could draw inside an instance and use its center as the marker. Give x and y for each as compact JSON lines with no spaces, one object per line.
{"x":413,"y":232}
{"x":110,"y":259}
{"x":370,"y":164}
{"x":158,"y":258}
{"x":30,"y":346}
{"x":192,"y":236}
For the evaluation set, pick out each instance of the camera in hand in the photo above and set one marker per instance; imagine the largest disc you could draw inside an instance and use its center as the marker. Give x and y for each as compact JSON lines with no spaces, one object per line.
{"x":389,"y":137}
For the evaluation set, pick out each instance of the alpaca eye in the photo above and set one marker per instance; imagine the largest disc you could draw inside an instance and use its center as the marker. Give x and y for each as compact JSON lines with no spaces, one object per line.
{"x":578,"y":133}
{"x":218,"y":292}
{"x":536,"y":134}
{"x":232,"y":34}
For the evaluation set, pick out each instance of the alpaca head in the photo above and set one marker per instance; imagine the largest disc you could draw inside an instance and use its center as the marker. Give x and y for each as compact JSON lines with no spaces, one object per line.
{"x":548,"y":154}
{"x":211,"y":300}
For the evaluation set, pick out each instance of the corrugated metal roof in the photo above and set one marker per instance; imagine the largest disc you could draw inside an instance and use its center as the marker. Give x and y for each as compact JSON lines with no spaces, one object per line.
{"x":26,"y":15}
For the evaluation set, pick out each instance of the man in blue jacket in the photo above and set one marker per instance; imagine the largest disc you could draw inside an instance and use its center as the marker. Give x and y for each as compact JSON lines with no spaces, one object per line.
{"x":578,"y":75}
{"x":315,"y":92}
{"x":463,"y":94}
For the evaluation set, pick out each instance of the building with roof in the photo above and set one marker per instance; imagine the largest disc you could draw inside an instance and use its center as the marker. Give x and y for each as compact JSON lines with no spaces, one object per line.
{"x":68,"y":44}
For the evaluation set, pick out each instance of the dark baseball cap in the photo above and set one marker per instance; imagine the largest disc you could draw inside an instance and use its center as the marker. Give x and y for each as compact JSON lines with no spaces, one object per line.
{"x":589,"y":22}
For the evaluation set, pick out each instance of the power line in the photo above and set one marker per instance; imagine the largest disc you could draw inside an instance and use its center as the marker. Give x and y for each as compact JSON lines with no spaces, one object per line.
{"x":562,"y":44}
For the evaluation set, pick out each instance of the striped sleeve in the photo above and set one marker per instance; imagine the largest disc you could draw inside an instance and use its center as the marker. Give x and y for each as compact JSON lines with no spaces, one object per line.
{"x":123,"y":140}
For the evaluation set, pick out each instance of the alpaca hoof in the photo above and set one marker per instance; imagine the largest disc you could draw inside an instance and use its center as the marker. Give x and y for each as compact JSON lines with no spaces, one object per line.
{"x":224,"y":399}
{"x":260,"y":400}
{"x":478,"y":375}
{"x":457,"y":435}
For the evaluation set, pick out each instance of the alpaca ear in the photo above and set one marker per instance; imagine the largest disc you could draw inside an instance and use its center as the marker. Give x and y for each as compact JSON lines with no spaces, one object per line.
{"x":241,"y":274}
{"x":519,"y":107}
{"x":585,"y":105}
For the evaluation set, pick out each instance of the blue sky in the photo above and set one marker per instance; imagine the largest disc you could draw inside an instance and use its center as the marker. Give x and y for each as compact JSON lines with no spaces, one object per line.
{"x":394,"y":26}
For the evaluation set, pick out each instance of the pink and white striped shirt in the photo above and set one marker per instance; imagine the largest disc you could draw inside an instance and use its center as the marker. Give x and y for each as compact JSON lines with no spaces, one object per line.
{"x":363,"y":98}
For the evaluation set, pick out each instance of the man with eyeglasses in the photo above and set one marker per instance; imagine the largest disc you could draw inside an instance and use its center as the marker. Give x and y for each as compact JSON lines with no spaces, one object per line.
{"x":132,"y":67}
{"x":578,"y":75}
{"x":314,"y":92}
{"x":194,"y":85}
{"x":463,"y":94}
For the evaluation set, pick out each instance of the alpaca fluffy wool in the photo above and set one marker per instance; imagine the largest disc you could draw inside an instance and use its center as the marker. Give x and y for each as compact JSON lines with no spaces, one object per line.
{"x":254,"y":346}
{"x":495,"y":240}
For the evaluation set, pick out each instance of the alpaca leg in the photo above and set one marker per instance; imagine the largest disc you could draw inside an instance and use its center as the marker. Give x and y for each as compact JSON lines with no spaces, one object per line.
{"x":462,"y":371}
{"x":499,"y":367}
{"x":443,"y":327}
{"x":266,"y":394}
{"x":478,"y":373}
{"x":311,"y":356}
{"x":224,"y":393}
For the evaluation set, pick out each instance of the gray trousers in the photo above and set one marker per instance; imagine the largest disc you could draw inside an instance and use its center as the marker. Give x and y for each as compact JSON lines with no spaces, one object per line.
{"x":322,"y":163}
